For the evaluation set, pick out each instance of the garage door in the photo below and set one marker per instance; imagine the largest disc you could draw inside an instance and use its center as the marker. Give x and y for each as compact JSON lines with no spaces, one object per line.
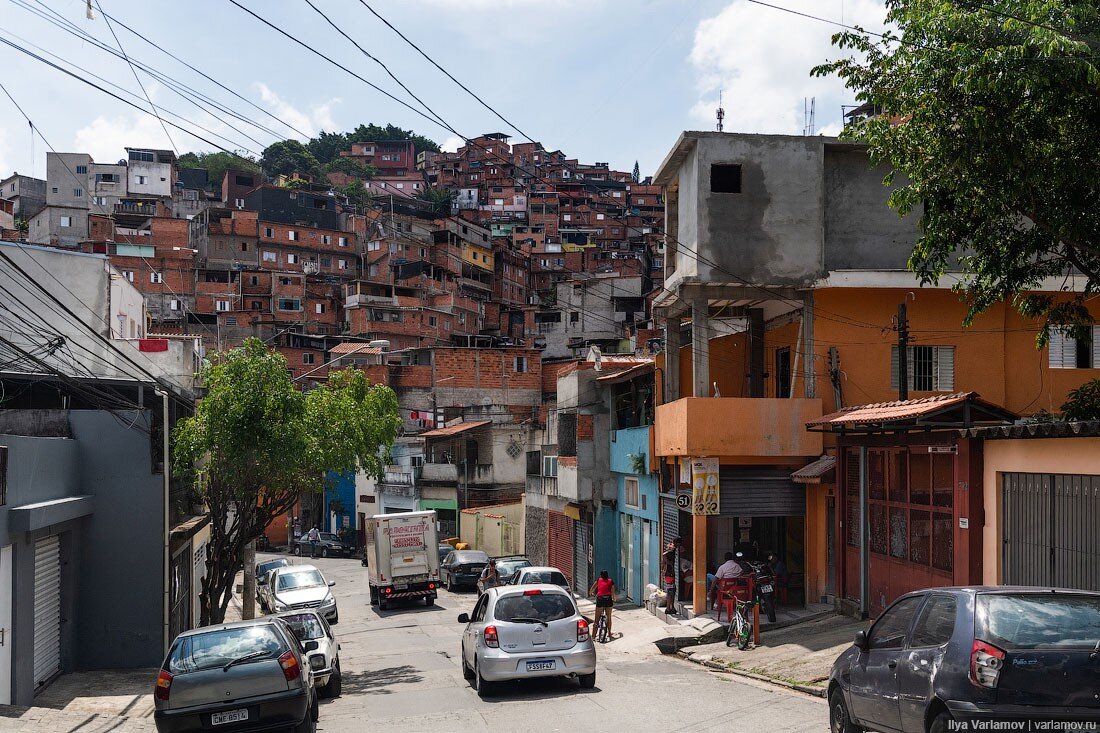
{"x":47,"y":609}
{"x":760,"y":493}
{"x":560,"y":544}
{"x":1051,"y":530}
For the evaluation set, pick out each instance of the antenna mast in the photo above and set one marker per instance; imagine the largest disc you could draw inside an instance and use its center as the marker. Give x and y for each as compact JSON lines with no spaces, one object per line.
{"x":720,"y":113}
{"x":808,"y":108}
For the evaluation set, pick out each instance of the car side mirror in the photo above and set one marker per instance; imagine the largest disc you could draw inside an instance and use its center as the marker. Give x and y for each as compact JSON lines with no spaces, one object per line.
{"x":861,"y":641}
{"x":311,"y":646}
{"x":331,"y":583}
{"x":464,"y":618}
{"x":261,"y":581}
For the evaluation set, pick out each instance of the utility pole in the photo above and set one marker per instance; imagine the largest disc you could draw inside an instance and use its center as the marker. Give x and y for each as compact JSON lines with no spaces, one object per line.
{"x":903,"y":353}
{"x":248,"y":600}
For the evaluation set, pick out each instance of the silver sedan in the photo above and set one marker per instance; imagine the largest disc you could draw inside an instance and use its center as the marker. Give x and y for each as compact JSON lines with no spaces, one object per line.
{"x":518,"y":632}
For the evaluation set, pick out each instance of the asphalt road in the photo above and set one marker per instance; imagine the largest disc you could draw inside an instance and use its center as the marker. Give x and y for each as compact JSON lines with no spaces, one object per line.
{"x":401,"y":672}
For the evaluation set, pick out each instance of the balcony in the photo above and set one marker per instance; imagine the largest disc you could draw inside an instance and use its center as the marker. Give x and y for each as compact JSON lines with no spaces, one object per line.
{"x":399,"y":475}
{"x":737,"y":427}
{"x":547,"y":485}
{"x":444,"y":473}
{"x":142,"y":208}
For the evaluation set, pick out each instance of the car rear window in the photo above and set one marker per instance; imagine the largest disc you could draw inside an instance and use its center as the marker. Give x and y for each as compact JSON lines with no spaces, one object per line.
{"x":218,"y":648}
{"x":507,"y":567}
{"x":543,"y":607}
{"x":305,"y":579}
{"x":471,"y":558}
{"x":544,"y":576}
{"x":1037,"y":621}
{"x":305,"y":626}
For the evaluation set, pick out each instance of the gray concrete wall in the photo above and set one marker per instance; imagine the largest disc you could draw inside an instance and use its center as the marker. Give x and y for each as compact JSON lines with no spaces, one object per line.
{"x":861,"y":231}
{"x":536,"y":531}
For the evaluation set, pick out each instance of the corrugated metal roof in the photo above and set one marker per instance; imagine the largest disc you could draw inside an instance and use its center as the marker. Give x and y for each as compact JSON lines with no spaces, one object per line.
{"x":889,"y":414}
{"x":1054,"y":429}
{"x":628,"y":374}
{"x":455,"y":429}
{"x":814,"y":472}
{"x":351,"y":347}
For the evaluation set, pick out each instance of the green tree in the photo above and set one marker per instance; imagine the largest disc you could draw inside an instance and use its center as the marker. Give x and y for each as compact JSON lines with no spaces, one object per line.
{"x":991,"y":126}
{"x":1083,"y":403}
{"x":326,"y":146}
{"x":216,"y":164}
{"x":358,"y":195}
{"x":440,"y":198}
{"x":286,"y":157}
{"x":256,"y":443}
{"x":376,"y":133}
{"x":351,"y":167}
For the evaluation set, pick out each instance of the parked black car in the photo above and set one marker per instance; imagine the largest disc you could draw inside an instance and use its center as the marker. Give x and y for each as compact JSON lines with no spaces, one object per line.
{"x":462,"y":567}
{"x":329,"y":545}
{"x":971,"y":654}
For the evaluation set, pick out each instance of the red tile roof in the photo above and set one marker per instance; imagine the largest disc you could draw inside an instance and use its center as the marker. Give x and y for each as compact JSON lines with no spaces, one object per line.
{"x":350,"y":347}
{"x":880,"y":413}
{"x":814,"y":472}
{"x":454,"y":429}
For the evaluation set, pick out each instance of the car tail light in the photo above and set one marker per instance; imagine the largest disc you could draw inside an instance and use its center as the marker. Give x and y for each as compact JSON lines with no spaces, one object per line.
{"x":388,"y":590}
{"x":535,"y":592}
{"x":291,"y":669}
{"x":491,"y":639}
{"x":582,"y":630}
{"x":986,"y":661}
{"x":164,"y":685}
{"x":431,"y":586}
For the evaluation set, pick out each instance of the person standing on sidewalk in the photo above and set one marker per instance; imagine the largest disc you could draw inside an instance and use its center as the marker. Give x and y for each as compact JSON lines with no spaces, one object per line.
{"x":314,"y":537}
{"x":670,"y":561}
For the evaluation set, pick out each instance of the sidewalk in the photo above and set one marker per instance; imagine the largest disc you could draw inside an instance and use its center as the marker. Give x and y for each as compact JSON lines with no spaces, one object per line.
{"x":798,"y":656}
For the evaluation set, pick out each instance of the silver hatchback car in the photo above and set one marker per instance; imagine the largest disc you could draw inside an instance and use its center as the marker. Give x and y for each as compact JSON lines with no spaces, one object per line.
{"x":519,"y":632}
{"x":248,"y":675}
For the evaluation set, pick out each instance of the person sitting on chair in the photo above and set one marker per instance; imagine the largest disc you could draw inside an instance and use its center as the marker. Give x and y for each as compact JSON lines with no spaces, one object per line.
{"x":729,"y":569}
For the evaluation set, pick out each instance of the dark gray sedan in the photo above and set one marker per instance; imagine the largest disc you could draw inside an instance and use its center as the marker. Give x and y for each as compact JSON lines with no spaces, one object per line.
{"x":328,"y":546}
{"x":250,"y":675}
{"x":462,"y":567}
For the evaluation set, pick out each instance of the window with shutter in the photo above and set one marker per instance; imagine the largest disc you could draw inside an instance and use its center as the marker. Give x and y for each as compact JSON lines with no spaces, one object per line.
{"x":1067,"y":352}
{"x":931,"y":368}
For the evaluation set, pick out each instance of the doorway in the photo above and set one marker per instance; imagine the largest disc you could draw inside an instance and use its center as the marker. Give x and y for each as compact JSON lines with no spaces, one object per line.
{"x":830,"y":548}
{"x":6,"y":635}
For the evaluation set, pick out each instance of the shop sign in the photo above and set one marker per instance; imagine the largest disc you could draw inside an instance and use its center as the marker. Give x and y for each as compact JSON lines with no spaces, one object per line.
{"x":704,"y":486}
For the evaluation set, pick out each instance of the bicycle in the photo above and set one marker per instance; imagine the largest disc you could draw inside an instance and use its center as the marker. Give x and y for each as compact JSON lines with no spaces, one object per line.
{"x":740,"y":628}
{"x":601,"y":629}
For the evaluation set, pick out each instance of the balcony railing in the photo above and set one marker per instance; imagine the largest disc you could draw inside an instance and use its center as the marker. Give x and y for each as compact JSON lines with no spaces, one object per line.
{"x":547,"y":485}
{"x":440,"y":472}
{"x":738,"y":427}
{"x":399,"y":475}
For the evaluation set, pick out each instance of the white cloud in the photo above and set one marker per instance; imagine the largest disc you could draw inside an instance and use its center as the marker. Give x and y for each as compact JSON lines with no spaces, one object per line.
{"x":312,"y":120}
{"x":761,"y":58}
{"x":105,"y":138}
{"x":4,"y":153}
{"x":452,"y":144}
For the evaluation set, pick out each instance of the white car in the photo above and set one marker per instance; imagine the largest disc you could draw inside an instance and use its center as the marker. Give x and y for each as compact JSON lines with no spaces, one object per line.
{"x":522,"y":631}
{"x":321,"y":647}
{"x":299,"y":587}
{"x":540,"y":574}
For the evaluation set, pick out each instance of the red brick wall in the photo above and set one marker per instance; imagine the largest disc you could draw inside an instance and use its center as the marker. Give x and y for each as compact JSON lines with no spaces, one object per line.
{"x":584,"y":427}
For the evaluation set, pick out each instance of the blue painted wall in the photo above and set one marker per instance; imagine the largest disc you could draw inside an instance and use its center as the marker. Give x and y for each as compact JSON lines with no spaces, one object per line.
{"x":625,"y":443}
{"x":340,"y":487}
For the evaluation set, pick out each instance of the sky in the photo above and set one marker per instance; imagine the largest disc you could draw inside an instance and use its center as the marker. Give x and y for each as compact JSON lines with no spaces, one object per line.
{"x":601,"y":80}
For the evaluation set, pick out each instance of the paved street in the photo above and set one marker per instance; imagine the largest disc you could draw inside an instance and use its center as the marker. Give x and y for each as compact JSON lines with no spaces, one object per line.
{"x":401,"y":671}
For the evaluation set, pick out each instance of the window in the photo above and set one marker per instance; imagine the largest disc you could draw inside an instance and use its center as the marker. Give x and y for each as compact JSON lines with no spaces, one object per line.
{"x":292,"y":259}
{"x":1068,"y":352}
{"x":174,"y":305}
{"x":292,"y":235}
{"x":783,"y":372}
{"x":326,"y":262}
{"x":269,"y":232}
{"x":550,"y":466}
{"x":142,"y":180}
{"x":574,"y":317}
{"x":326,"y":239}
{"x":290,"y":304}
{"x":244,"y":181}
{"x":890,"y":629}
{"x":374,"y":246}
{"x":343,"y":241}
{"x":725,"y":178}
{"x":307,"y":358}
{"x":567,"y":217}
{"x":343,"y":264}
{"x":931,"y":368}
{"x":100,"y":200}
{"x":82,"y":170}
{"x":244,"y":246}
{"x":144,"y":156}
{"x":630,"y":492}
{"x":155,"y":277}
{"x":78,"y":192}
{"x":53,"y":189}
{"x":231,"y":321}
{"x":66,"y":221}
{"x":239,"y":203}
{"x":519,"y":364}
{"x":257,"y":305}
{"x":270,"y":257}
{"x":936,"y":622}
{"x":320,"y":308}
{"x":221,"y":306}
{"x":431,"y":320}
{"x":372,"y":270}
{"x":129,"y":275}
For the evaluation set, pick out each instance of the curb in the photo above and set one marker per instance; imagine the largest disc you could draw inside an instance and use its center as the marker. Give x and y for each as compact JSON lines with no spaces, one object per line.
{"x":717,"y":666}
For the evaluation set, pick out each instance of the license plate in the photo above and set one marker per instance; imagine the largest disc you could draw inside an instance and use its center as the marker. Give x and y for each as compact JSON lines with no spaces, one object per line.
{"x":766,"y":589}
{"x":229,"y":716}
{"x":400,"y":586}
{"x":539,"y":666}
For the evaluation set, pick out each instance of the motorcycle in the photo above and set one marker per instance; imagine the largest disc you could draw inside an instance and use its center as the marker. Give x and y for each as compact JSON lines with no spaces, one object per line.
{"x":764,"y":587}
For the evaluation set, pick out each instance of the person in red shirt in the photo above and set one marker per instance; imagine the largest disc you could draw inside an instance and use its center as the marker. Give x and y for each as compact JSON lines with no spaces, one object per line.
{"x":605,"y":591}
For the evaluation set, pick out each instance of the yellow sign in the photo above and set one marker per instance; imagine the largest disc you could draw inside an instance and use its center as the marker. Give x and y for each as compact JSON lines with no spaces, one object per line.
{"x":704,"y":486}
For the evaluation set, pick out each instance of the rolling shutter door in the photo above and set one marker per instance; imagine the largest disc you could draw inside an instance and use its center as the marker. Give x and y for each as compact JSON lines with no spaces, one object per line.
{"x":582,"y":581}
{"x":670,"y":521}
{"x":760,"y":493}
{"x":560,"y":545}
{"x":47,"y":609}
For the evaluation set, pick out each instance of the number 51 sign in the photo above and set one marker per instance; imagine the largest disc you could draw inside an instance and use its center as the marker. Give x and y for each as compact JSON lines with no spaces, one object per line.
{"x":704,"y":486}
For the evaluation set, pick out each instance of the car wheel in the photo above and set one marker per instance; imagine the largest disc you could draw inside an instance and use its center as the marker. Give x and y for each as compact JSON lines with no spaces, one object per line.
{"x":588,"y":681}
{"x":374,"y":596}
{"x":335,"y":681}
{"x":429,"y":600}
{"x":449,"y":585}
{"x":335,"y":617}
{"x":382,"y":605}
{"x":298,"y":550}
{"x":483,"y":686}
{"x":315,"y":709}
{"x":324,"y":552}
{"x":309,"y":723}
{"x":941,"y":723}
{"x":839,"y":720}
{"x":467,"y":673}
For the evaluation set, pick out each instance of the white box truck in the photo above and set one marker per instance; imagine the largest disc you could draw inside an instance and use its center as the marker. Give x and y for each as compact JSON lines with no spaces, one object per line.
{"x":402,"y":557}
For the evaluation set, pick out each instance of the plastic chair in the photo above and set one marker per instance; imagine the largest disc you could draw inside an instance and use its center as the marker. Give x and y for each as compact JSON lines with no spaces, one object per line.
{"x":731,"y":590}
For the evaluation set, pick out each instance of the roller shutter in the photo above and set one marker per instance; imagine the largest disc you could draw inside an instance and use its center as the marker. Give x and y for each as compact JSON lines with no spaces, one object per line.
{"x":757,"y":492}
{"x":560,"y":544}
{"x":47,"y":609}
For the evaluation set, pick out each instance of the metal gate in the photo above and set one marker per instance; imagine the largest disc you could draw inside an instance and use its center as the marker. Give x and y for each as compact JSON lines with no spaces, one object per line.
{"x":179,"y":592}
{"x":1051,"y":531}
{"x":47,"y":609}
{"x":670,"y":520}
{"x":559,"y":543}
{"x":582,"y":574}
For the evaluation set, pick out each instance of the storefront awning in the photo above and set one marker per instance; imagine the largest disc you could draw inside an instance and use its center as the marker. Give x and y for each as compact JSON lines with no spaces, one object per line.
{"x":454,"y":429}
{"x":959,"y":410}
{"x":823,"y":470}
